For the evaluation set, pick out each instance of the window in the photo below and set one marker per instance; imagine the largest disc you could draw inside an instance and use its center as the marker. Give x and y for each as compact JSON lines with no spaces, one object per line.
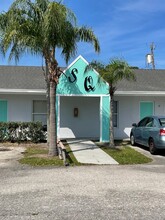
{"x":40,"y":111}
{"x":143,"y":122}
{"x":150,"y":122}
{"x":115,"y":113}
{"x":162,"y":122}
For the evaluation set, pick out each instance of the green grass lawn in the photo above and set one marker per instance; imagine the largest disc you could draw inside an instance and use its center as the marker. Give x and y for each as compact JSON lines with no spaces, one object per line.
{"x":71,"y":158}
{"x":37,"y":155}
{"x":124,"y":154}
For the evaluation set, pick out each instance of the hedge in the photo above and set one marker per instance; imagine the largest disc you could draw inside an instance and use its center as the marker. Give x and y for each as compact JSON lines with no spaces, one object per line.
{"x":22,"y":131}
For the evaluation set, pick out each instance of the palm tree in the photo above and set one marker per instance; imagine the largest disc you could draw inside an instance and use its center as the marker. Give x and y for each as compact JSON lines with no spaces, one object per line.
{"x":40,"y":27}
{"x":112,"y":73}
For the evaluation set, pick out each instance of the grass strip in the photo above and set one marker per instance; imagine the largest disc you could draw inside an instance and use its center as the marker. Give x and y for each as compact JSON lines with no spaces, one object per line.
{"x":36,"y":155}
{"x":38,"y":161}
{"x":126,"y":155}
{"x":70,"y":156}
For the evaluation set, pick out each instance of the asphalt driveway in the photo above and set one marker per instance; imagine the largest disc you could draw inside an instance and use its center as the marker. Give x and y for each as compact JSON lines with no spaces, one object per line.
{"x":86,"y":192}
{"x":106,"y":192}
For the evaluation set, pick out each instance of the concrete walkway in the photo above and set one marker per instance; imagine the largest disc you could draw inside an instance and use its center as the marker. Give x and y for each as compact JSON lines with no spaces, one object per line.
{"x":87,"y":152}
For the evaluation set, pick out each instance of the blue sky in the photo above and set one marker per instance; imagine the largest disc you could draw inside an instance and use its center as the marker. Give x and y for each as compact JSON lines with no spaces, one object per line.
{"x":124,"y":29}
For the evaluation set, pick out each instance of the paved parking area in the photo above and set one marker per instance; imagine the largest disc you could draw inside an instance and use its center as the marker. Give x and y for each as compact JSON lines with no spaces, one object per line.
{"x":109,"y":192}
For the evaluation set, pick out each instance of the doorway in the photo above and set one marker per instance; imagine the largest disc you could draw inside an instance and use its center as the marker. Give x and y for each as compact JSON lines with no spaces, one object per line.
{"x":79,"y":117}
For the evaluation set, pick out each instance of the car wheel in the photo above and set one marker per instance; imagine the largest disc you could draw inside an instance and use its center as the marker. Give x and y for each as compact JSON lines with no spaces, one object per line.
{"x":152,"y":147}
{"x":132,"y":139}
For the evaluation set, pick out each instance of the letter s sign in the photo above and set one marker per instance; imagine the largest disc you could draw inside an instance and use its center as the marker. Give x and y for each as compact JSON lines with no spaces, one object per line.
{"x":74,"y":77}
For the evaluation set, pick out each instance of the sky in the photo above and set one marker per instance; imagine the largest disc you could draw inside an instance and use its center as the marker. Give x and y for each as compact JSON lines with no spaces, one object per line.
{"x":125,"y":29}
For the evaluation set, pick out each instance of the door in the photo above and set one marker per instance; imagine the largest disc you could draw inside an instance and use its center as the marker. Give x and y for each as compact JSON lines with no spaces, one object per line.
{"x":146,"y":109}
{"x":3,"y":111}
{"x":148,"y":127}
{"x":151,"y":130}
{"x":139,"y":130}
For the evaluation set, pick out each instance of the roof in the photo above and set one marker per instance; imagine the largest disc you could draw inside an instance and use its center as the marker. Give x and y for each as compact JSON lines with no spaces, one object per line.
{"x":22,"y":78}
{"x":32,"y":78}
{"x":146,"y":80}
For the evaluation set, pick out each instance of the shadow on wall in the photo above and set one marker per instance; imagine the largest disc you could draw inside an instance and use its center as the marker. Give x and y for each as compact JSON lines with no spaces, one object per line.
{"x":67,"y":86}
{"x":122,"y":132}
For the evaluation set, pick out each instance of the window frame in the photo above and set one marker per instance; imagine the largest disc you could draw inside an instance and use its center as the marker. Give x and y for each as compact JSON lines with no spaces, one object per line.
{"x":39,"y":113}
{"x":143,"y":122}
{"x":116,"y":114}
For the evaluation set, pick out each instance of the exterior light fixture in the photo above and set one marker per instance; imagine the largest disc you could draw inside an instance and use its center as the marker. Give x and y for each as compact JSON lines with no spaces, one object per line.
{"x":75,"y":112}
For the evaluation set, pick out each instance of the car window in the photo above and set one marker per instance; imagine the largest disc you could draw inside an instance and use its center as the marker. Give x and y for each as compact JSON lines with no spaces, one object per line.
{"x":155,"y":123}
{"x":143,"y":122}
{"x":150,"y":122}
{"x":162,"y":121}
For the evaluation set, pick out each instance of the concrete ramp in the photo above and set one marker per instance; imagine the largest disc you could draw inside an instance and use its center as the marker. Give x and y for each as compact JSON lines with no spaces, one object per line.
{"x":87,"y":152}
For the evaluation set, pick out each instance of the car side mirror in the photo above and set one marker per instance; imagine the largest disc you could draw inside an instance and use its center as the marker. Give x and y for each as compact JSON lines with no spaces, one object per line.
{"x":134,"y":125}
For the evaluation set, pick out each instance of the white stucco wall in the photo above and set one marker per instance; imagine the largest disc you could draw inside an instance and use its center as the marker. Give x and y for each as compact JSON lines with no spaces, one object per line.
{"x":20,"y":107}
{"x":129,"y":112}
{"x":87,"y":124}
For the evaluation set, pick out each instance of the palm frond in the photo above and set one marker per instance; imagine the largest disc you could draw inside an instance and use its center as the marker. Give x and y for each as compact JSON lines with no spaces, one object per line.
{"x":113,"y":72}
{"x":87,"y":35}
{"x":42,"y":25}
{"x":95,"y":65}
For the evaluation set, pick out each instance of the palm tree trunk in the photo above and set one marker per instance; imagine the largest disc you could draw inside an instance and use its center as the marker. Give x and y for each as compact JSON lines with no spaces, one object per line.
{"x":111,"y":130}
{"x":52,"y":126}
{"x":48,"y":110}
{"x":46,"y":75}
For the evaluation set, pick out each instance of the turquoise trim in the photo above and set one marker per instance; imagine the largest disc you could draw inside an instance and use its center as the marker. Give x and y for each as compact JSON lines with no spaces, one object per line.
{"x":105,"y":118}
{"x":146,"y":109}
{"x":57,"y":113}
{"x":76,"y":82}
{"x":3,"y":110}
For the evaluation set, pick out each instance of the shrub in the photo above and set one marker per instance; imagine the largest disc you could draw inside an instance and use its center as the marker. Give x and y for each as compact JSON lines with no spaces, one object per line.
{"x":22,"y":131}
{"x":3,"y":132}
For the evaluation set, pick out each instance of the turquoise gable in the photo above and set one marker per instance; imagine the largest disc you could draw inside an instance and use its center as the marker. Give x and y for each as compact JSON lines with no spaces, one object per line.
{"x":76,"y":82}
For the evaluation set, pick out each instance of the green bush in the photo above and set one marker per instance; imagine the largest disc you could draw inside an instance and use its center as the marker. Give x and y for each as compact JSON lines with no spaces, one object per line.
{"x":35,"y":132}
{"x":22,"y":131}
{"x":3,"y":131}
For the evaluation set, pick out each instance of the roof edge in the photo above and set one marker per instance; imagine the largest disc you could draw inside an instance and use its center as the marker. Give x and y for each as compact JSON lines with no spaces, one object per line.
{"x":87,"y":63}
{"x":137,"y":93}
{"x":23,"y":91}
